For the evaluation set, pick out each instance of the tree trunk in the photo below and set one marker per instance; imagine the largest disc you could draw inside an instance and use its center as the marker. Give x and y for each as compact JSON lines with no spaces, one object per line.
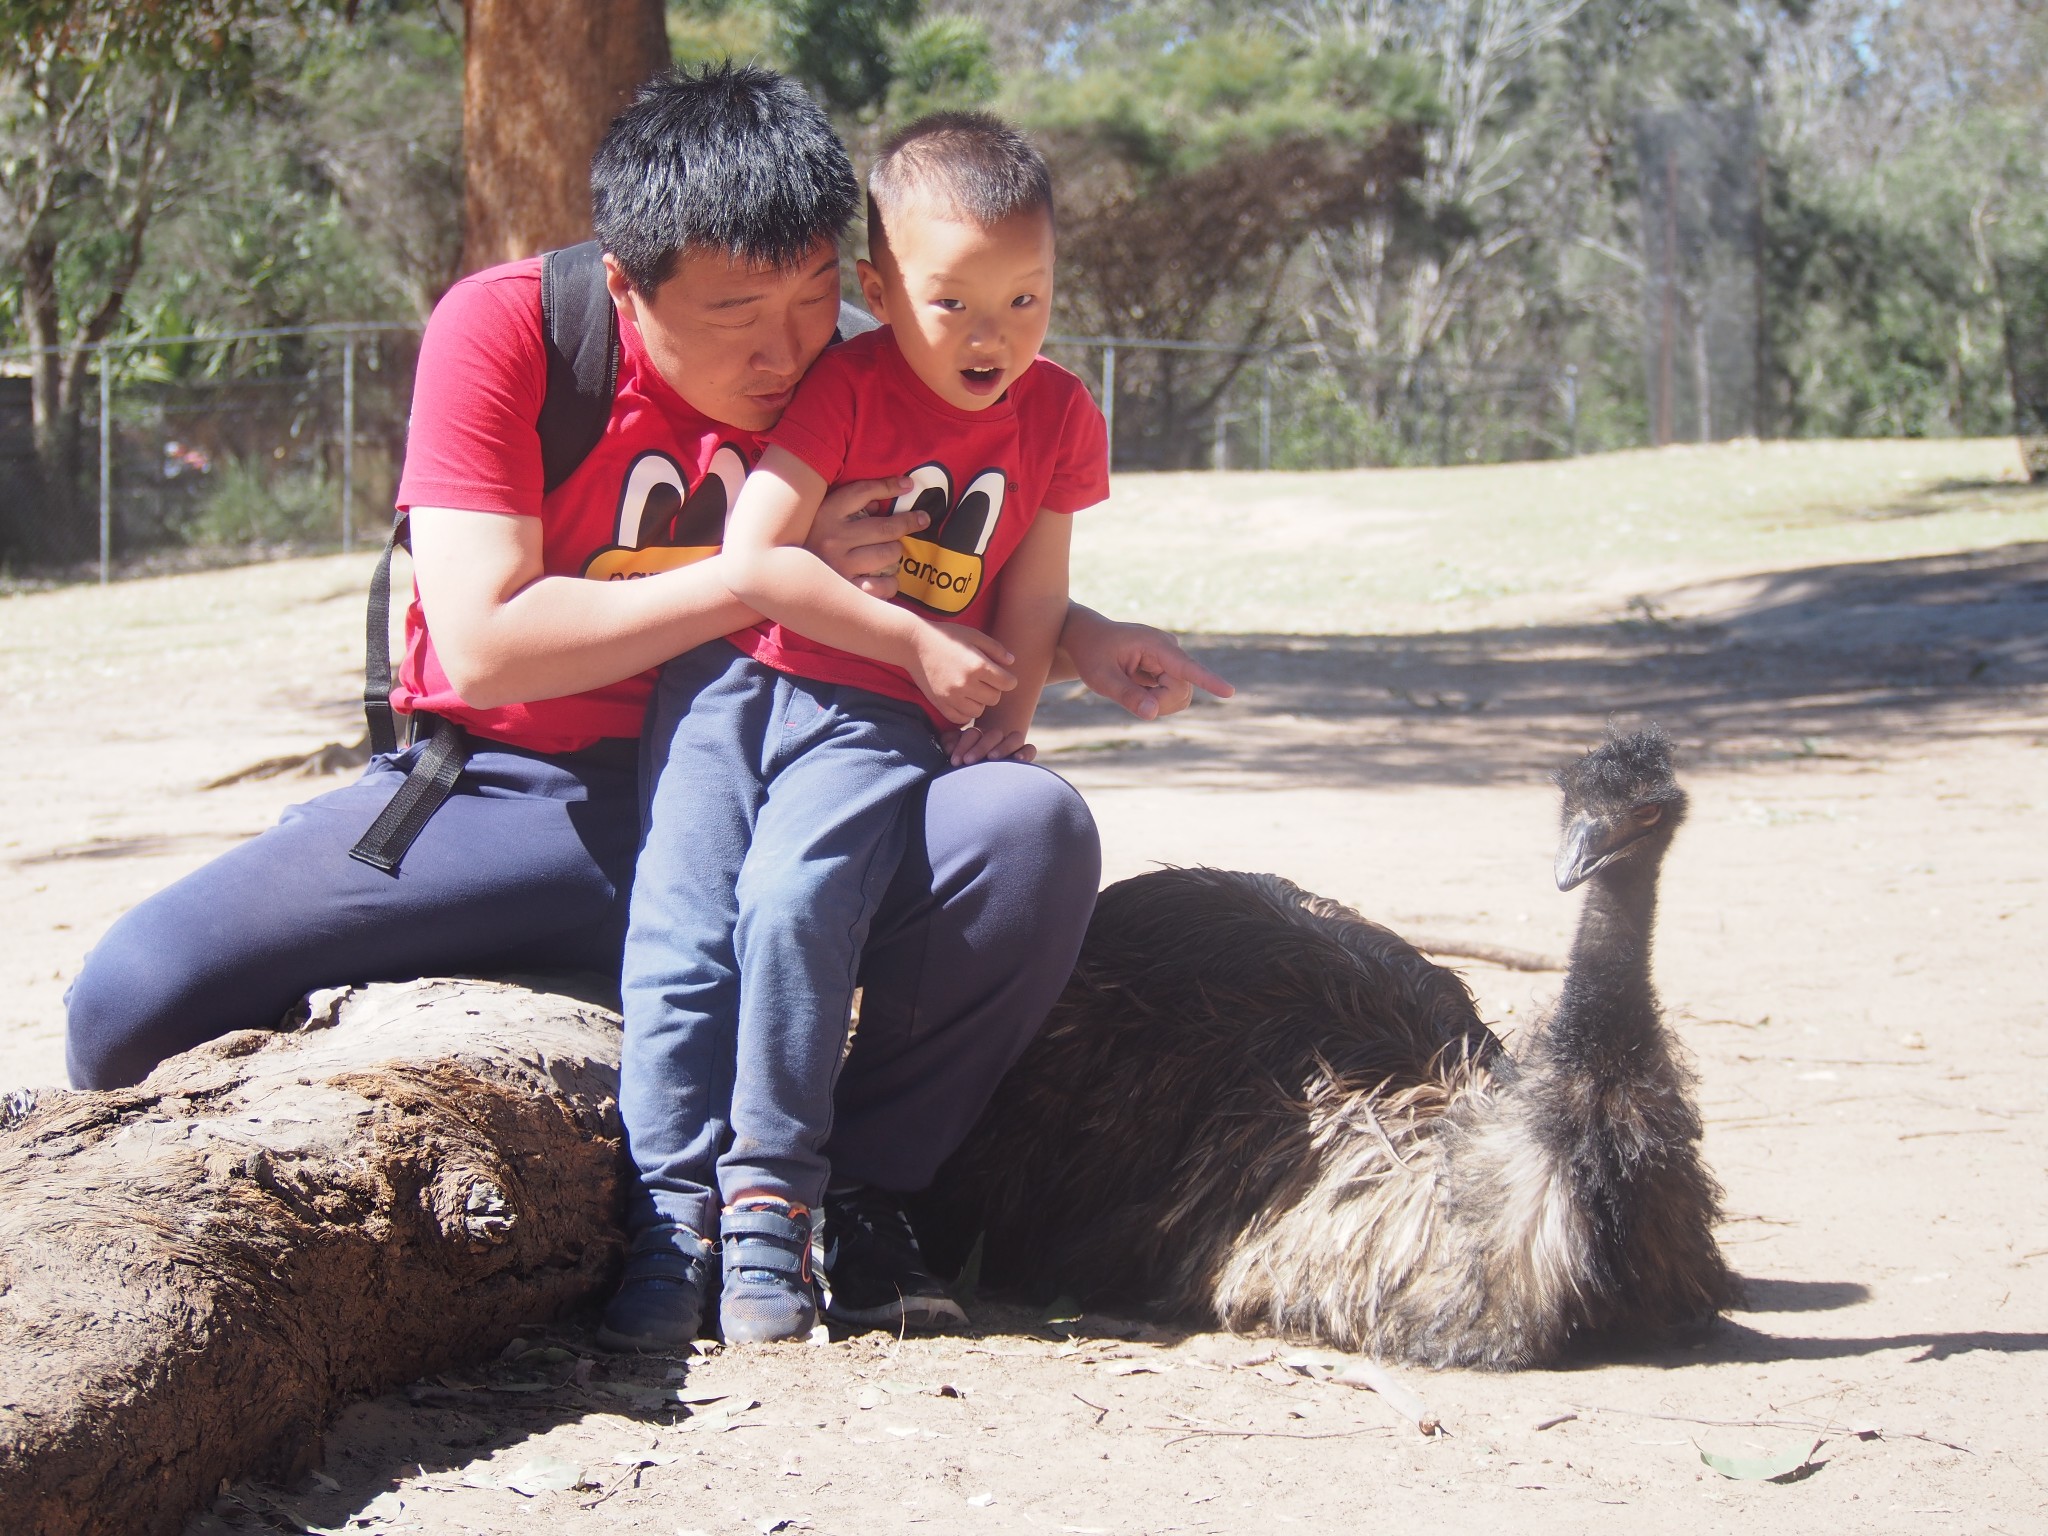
{"x":135,"y":146}
{"x":59,"y":532}
{"x":541,"y":81}
{"x":2021,"y":290}
{"x":195,"y":1272}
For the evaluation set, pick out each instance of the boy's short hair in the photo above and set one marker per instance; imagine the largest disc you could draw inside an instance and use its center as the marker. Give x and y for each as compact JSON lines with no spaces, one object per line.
{"x":972,"y":163}
{"x":728,"y":158}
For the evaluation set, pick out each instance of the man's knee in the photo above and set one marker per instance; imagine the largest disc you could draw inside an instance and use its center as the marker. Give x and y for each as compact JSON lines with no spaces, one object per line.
{"x":1061,"y":822}
{"x":126,"y":999}
{"x":1019,"y":824}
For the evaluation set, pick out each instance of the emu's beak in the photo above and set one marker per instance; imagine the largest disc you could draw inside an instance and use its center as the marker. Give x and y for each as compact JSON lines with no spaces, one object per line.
{"x":1591,"y":842}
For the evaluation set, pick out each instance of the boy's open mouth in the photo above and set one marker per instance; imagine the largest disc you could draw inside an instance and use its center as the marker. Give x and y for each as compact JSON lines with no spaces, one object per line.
{"x":981,"y":381}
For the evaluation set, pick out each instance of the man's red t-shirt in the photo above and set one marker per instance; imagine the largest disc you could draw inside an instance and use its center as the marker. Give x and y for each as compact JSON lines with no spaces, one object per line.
{"x":652,"y":495}
{"x":984,"y":476}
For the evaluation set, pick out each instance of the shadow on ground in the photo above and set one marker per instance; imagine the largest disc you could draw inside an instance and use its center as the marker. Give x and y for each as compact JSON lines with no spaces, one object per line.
{"x":1735,"y":1342}
{"x":476,"y":1427}
{"x":1760,"y":1295}
{"x":472,"y":1428}
{"x":1956,"y":495}
{"x":1831,"y":660}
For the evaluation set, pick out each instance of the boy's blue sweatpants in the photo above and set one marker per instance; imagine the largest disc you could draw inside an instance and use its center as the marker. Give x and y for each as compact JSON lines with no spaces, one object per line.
{"x":777,"y":813}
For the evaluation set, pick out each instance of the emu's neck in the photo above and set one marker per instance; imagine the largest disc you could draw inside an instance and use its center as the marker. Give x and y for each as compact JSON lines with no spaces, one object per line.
{"x":1608,"y":1011}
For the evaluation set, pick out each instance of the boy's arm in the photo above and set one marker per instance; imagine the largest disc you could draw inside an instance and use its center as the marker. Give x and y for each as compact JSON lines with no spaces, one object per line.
{"x":1031,"y":607}
{"x":768,"y":569}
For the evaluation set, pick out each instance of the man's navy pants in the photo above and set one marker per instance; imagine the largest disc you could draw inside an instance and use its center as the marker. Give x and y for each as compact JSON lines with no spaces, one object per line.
{"x":527,"y":867}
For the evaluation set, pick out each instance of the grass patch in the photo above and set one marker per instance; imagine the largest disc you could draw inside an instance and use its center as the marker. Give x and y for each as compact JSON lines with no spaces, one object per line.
{"x":1421,"y":550}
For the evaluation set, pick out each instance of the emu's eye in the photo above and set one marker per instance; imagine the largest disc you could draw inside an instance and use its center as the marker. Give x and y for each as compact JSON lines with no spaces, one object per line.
{"x":1647,"y":815}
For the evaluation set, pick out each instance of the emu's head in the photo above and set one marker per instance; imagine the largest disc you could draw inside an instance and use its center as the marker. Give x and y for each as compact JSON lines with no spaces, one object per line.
{"x":1621,"y":802}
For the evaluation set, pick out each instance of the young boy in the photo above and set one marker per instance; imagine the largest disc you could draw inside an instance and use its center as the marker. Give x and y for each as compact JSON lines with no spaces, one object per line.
{"x":780,"y":764}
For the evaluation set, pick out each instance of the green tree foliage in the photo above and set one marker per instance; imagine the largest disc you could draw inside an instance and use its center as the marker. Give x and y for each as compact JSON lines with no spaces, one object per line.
{"x":1187,"y":187}
{"x":1909,"y":226}
{"x":335,"y":194}
{"x":843,"y":49}
{"x":943,"y":62}
{"x":1441,"y":198}
{"x":873,"y":63}
{"x":96,"y":108}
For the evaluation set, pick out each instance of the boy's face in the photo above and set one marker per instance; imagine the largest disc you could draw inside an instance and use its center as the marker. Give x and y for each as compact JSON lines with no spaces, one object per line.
{"x":968,"y":303}
{"x":731,"y":338}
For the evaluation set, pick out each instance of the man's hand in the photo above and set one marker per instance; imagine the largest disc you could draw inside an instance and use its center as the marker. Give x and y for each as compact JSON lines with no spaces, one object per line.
{"x":1135,"y":665}
{"x":961,"y":670}
{"x":856,"y":534}
{"x":972,"y":744}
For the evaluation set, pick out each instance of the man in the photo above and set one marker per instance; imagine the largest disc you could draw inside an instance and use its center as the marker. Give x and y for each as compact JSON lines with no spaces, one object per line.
{"x":539,"y":610}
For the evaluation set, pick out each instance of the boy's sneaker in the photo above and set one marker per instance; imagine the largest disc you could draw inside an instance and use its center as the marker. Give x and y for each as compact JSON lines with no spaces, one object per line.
{"x":770,"y":1292}
{"x":874,"y":1270}
{"x":660,"y":1301}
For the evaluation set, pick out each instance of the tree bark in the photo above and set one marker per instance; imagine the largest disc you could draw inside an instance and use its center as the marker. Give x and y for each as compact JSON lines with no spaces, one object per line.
{"x":197,"y":1271}
{"x":53,"y":398}
{"x":541,"y":81}
{"x":136,"y":147}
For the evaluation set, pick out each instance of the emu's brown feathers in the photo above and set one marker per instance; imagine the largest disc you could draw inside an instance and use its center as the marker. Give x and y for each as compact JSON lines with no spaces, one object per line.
{"x":1251,"y":1106}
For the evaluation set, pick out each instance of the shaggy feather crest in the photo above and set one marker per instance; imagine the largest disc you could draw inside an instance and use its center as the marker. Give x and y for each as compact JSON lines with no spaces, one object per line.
{"x":1626,"y":770}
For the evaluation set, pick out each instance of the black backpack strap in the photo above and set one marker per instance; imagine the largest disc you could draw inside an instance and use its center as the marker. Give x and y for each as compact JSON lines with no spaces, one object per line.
{"x":580,"y":338}
{"x":580,"y":330}
{"x":377,"y":645}
{"x":429,"y":784}
{"x":435,"y":771}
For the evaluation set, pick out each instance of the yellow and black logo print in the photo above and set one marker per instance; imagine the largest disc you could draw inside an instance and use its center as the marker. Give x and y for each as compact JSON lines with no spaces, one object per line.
{"x":942,"y":567}
{"x":662,"y":523}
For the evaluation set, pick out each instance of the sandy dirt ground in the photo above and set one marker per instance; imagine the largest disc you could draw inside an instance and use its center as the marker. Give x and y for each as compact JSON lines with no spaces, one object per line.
{"x":1853,"y":945}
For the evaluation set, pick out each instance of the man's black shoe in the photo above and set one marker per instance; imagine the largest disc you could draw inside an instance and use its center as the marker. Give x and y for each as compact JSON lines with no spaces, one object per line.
{"x":874,"y":1271}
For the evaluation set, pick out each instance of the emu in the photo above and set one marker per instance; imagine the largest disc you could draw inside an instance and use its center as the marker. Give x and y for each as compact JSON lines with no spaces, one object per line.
{"x":1253,"y":1107}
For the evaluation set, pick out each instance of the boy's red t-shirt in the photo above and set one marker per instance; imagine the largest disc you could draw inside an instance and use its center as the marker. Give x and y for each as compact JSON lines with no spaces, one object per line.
{"x":652,"y":494}
{"x":861,"y":413}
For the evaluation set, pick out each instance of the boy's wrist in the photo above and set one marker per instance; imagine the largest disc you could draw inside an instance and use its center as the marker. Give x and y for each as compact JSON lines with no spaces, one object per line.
{"x":906,"y":634}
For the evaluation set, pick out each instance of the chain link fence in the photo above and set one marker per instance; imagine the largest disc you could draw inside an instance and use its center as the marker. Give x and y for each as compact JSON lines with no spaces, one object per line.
{"x":254,"y":443}
{"x":1204,"y":405}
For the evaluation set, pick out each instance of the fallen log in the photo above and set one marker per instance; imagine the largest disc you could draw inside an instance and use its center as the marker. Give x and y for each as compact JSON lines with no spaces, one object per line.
{"x":197,"y":1271}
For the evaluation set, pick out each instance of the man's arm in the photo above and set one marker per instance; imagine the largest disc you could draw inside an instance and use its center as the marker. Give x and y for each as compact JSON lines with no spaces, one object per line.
{"x":1135,"y":665}
{"x":766,"y":566}
{"x":506,"y":632}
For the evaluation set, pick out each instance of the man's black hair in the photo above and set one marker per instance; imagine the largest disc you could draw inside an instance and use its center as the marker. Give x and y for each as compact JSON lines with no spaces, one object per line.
{"x":728,"y":158}
{"x":971,"y":163}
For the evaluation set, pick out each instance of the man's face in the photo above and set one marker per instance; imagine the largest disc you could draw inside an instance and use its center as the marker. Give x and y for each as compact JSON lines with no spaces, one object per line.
{"x":968,"y":303}
{"x":733,"y":339}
